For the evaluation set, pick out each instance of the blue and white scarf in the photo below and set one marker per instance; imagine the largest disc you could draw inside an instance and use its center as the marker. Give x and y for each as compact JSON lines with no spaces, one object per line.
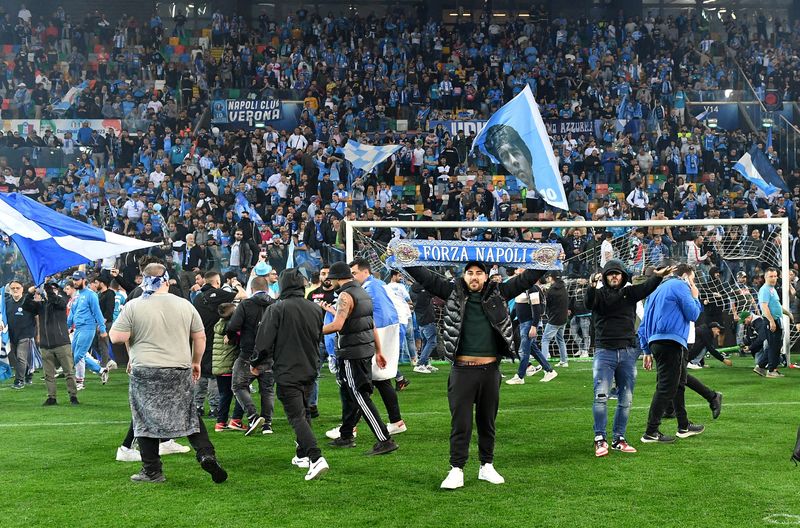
{"x":152,"y":283}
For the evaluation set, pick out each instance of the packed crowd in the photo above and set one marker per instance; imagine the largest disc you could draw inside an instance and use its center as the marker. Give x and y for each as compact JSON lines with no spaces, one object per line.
{"x":222,"y":199}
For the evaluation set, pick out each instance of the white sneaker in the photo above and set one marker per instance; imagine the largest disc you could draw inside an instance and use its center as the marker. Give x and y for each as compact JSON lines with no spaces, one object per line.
{"x":317,"y":469}
{"x":394,"y":428}
{"x":454,"y":479}
{"x":79,"y":386}
{"x":111,"y":365}
{"x":489,"y":474}
{"x":432,"y":368}
{"x":516,"y":380}
{"x":333,"y":434}
{"x":304,"y":462}
{"x":693,"y":366}
{"x":583,"y":355}
{"x":549,"y":376}
{"x":533,"y":370}
{"x":171,"y":447}
{"x":127,"y":454}
{"x":422,"y":369}
{"x":562,"y":364}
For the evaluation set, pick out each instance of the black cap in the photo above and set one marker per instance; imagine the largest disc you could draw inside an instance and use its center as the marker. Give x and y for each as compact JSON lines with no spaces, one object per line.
{"x":340,"y":270}
{"x":713,"y":325}
{"x":471,"y":263}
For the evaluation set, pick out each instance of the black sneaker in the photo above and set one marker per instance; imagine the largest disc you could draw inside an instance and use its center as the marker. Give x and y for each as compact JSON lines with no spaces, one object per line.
{"x":143,"y":476}
{"x":210,"y":465}
{"x":313,"y":411}
{"x":254,"y":422}
{"x":50,"y":401}
{"x":657,"y":438}
{"x":716,"y":405}
{"x":401,"y":384}
{"x":382,"y":448}
{"x":73,"y":400}
{"x":267,"y":429}
{"x":692,"y":430}
{"x":343,"y":442}
{"x":18,"y":386}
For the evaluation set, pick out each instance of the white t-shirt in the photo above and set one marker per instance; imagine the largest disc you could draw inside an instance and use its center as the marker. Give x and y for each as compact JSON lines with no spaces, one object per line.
{"x":606,"y":252}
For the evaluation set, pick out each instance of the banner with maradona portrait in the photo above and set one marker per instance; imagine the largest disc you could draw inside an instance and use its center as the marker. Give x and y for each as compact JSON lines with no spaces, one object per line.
{"x":516,"y":137}
{"x":409,"y":253}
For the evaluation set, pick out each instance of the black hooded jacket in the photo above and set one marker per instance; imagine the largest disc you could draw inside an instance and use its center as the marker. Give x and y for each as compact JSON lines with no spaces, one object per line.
{"x":52,"y":312}
{"x":290,"y":333}
{"x":614,"y":309}
{"x":245,"y":320}
{"x":557,"y":308}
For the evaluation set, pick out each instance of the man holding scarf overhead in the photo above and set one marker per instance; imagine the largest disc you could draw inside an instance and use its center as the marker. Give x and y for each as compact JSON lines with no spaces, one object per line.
{"x":477,"y":334}
{"x":158,"y":328}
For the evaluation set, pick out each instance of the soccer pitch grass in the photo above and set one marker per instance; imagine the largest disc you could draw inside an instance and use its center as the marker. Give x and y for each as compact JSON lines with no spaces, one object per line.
{"x":59,"y":467}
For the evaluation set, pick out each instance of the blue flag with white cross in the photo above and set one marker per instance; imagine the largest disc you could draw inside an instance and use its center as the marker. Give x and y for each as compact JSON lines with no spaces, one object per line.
{"x":367,"y":157}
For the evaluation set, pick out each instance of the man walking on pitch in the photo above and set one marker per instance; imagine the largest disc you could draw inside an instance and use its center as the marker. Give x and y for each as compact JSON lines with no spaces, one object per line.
{"x":288,"y":339}
{"x":355,"y":346}
{"x":158,"y":328}
{"x":770,"y":303}
{"x":477,"y":334}
{"x":616,"y":353}
{"x":663,"y":332}
{"x":86,"y":316}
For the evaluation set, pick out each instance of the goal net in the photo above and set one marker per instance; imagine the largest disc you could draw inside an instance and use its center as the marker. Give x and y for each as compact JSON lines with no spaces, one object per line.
{"x":730,"y":256}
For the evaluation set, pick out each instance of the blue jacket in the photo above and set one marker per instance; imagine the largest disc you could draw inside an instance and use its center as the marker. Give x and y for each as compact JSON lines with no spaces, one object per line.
{"x":667,"y":314}
{"x":85,"y":311}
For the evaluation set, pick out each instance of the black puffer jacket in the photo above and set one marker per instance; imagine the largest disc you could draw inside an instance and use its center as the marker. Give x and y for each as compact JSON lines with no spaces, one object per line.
{"x":495,"y":305}
{"x":614,"y":309}
{"x":245,"y":320}
{"x":289,"y":334}
{"x":557,"y":303}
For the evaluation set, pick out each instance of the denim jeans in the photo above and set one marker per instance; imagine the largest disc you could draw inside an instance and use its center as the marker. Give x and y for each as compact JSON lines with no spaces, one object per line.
{"x":323,"y":357}
{"x":408,"y":348}
{"x":556,"y":332}
{"x":697,"y":358}
{"x":428,"y":332}
{"x":580,"y":328}
{"x":526,"y":346}
{"x":608,"y":366}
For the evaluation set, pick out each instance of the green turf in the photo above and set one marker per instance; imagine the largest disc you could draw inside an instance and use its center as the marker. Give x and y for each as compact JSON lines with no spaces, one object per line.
{"x":59,"y":470}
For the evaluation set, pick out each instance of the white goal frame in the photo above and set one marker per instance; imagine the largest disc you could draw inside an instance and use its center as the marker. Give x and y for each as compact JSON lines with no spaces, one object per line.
{"x":783,"y":223}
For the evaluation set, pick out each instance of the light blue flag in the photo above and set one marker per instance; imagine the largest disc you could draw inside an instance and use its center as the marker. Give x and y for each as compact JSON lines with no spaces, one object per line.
{"x":3,"y":318}
{"x":755,"y":166}
{"x":367,"y":157}
{"x":242,"y":204}
{"x":51,"y":242}
{"x":516,"y":137}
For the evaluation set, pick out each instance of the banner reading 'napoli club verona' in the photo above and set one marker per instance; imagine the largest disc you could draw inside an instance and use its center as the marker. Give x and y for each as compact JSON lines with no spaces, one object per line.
{"x":409,"y":253}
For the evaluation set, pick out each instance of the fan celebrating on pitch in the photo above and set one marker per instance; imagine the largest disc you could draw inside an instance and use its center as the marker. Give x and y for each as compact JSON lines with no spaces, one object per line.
{"x":477,"y":333}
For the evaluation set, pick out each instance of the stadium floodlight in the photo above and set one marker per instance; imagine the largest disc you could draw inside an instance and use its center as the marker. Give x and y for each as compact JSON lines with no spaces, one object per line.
{"x":721,"y":292}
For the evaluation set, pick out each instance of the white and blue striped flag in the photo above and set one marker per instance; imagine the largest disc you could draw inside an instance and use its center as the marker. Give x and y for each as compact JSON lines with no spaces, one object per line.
{"x":367,"y":157}
{"x":241,"y":204}
{"x":755,"y":166}
{"x":51,"y":242}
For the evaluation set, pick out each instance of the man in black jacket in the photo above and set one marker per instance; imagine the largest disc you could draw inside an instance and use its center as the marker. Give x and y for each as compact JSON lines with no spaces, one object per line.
{"x":243,"y":326}
{"x":207,"y":304}
{"x":477,"y":334}
{"x":615,"y":352}
{"x":357,"y":342}
{"x":557,"y":310}
{"x":288,"y":339}
{"x":426,"y":321}
{"x":21,"y":332}
{"x":51,"y":307}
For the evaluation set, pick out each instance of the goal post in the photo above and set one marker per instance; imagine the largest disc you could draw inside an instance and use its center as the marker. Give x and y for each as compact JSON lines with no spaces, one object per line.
{"x":354,"y":236}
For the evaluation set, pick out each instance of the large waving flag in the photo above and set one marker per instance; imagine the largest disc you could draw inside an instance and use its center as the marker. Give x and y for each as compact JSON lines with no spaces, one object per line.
{"x":367,"y":157}
{"x":755,"y":166}
{"x":51,"y":242}
{"x":71,"y":97}
{"x":516,"y":137}
{"x":242,"y":205}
